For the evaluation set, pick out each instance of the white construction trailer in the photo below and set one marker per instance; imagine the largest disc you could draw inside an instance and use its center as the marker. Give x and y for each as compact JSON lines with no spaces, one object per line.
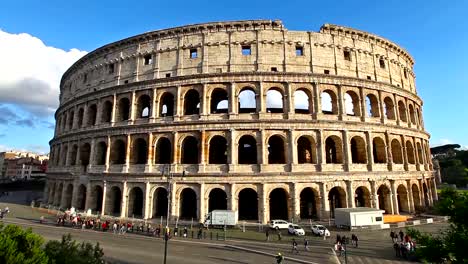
{"x":359,"y":217}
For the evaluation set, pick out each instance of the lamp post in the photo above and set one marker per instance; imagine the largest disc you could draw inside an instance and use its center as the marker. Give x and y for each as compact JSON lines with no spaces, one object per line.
{"x":169,"y":191}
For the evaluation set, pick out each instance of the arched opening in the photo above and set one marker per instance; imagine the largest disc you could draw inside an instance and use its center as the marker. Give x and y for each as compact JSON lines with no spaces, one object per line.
{"x":385,"y":201}
{"x":63,"y":123}
{"x":279,"y":204}
{"x":190,"y":150}
{"x":337,"y":199}
{"x":302,"y":102}
{"x":389,"y":108}
{"x":81,"y":198}
{"x":410,"y":152}
{"x":426,"y":195}
{"x":248,"y":204}
{"x":276,"y":153}
{"x":402,"y":198}
{"x":274,"y":101}
{"x":85,"y":151}
{"x":217,"y":200}
{"x":352,"y":104}
{"x":420,"y":153}
{"x":118,"y":150}
{"x":188,"y":204}
{"x":68,"y":196}
{"x":247,"y":101}
{"x":166,"y":106}
{"x":63,"y":157}
{"x":306,"y":150}
{"x":92,"y":110}
{"x":218,"y":150}
{"x":80,"y":118}
{"x":70,"y":120}
{"x":144,"y":106}
{"x":113,"y":201}
{"x":219,"y":101}
{"x":397,"y":155}
{"x":59,"y":195}
{"x":106,"y":114}
{"x":378,"y":150}
{"x":139,"y":151}
{"x":416,"y":196}
{"x":96,"y":199}
{"x":247,"y":150}
{"x":52,"y":195}
{"x":124,"y":109}
{"x":192,"y":103}
{"x":101,"y":152}
{"x":135,"y":203}
{"x":329,"y":103}
{"x":308,"y":203}
{"x":402,"y":111}
{"x":73,"y":154}
{"x":160,"y":202}
{"x":412,"y":114}
{"x":362,"y":197}
{"x":163,"y":153}
{"x":419,"y":116}
{"x":358,"y":150}
{"x":333,"y":150}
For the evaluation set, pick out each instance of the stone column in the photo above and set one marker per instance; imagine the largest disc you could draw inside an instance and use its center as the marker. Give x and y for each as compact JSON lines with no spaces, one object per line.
{"x":233,"y":100}
{"x":410,"y":196}
{"x":292,"y":159}
{"x":175,"y":148}
{"x":261,"y":101}
{"x":341,"y":105}
{"x":127,"y":152}
{"x":232,"y":159}
{"x":397,"y":110}
{"x":154,"y":105}
{"x":149,"y":161}
{"x":404,"y":153}
{"x":173,"y":200}
{"x":108,"y":148}
{"x":88,"y":196}
{"x":99,"y":106}
{"x":317,"y":102}
{"x":76,"y":185}
{"x":232,"y":198}
{"x":363,"y":103}
{"x":374,"y":196}
{"x":263,"y":209}
{"x":123,"y":209}
{"x":178,"y":111}
{"x":92,"y":159}
{"x":295,"y":209}
{"x":132,"y":107}
{"x":147,"y":202}
{"x":382,"y":112}
{"x":429,"y":192}
{"x":422,"y":196}
{"x":393,"y":188}
{"x":262,"y":152}
{"x":204,"y":102}
{"x":325,"y":214}
{"x":203,"y":148}
{"x":288,"y":99}
{"x":68,"y":154}
{"x":346,"y":151}
{"x":350,"y":194}
{"x":321,"y":159}
{"x":114,"y":108}
{"x":201,"y":203}
{"x":62,"y":200}
{"x":104,"y":196}
{"x":370,"y":153}
{"x":388,"y":148}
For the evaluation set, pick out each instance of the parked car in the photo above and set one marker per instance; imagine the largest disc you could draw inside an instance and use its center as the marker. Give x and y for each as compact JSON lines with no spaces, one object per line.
{"x":296,"y":230}
{"x":320,"y":230}
{"x":279,"y":224}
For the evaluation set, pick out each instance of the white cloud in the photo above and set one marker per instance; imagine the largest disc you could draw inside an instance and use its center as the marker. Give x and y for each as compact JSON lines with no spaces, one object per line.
{"x":31,"y":72}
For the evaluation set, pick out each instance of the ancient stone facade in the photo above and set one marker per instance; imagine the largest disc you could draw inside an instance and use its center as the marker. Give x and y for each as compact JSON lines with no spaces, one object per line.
{"x":243,"y":115}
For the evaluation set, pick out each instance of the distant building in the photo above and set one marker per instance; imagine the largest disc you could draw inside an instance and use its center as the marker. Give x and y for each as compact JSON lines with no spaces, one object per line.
{"x":22,"y":165}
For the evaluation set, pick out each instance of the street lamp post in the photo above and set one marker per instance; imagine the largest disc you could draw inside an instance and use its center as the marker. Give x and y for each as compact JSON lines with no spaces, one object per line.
{"x":169,"y":191}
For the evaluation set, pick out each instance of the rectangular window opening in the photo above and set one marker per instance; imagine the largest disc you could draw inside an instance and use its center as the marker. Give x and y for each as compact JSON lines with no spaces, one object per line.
{"x":148,"y":59}
{"x":326,"y":71}
{"x":382,"y":63}
{"x":168,"y":75}
{"x":193,"y":53}
{"x":111,"y":68}
{"x":369,"y":78}
{"x":246,"y":50}
{"x":347,"y":55}
{"x":126,"y":81}
{"x":85,"y":78}
{"x":274,"y":69}
{"x":219,"y":70}
{"x":299,"y":51}
{"x":405,"y":73}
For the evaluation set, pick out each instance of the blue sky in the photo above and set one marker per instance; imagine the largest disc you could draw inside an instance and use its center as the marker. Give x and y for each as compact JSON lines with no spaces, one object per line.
{"x":434,"y":32}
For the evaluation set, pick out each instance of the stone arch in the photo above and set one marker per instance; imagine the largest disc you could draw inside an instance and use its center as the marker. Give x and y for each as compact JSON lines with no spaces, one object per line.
{"x":279,"y":204}
{"x":192,"y":102}
{"x":64,"y":155}
{"x":71,"y":119}
{"x":91,"y":115}
{"x":139,"y":154}
{"x":402,"y":111}
{"x":118,"y":152}
{"x":385,"y":200}
{"x":329,"y":102}
{"x":247,"y":150}
{"x":302,"y":101}
{"x":362,"y":197}
{"x":420,"y":153}
{"x":96,"y":199}
{"x":352,"y":106}
{"x":219,"y":101}
{"x":101,"y":153}
{"x":309,"y":203}
{"x":190,"y":150}
{"x":416,"y":195}
{"x":160,"y":197}
{"x":389,"y":108}
{"x":218,"y":150}
{"x":412,"y":114}
{"x":247,"y":100}
{"x":135,"y":203}
{"x":73,"y":155}
{"x":397,"y":155}
{"x":143,"y":106}
{"x":248,"y":204}
{"x":123,"y":112}
{"x":81,"y":197}
{"x":425,"y":194}
{"x":188,"y":204}
{"x":337,"y":199}
{"x":276,"y":150}
{"x":358,"y":150}
{"x":113,"y":201}
{"x":68,"y":196}
{"x":410,"y":152}
{"x":51,"y":198}
{"x":217,"y":200}
{"x":306,"y":150}
{"x":274,"y":101}
{"x":59,"y":192}
{"x":85,"y":151}
{"x":166,"y":105}
{"x":378,"y":150}
{"x":163,"y":151}
{"x":402,"y":198}
{"x":80,"y":118}
{"x":106,"y":113}
{"x":333,"y":150}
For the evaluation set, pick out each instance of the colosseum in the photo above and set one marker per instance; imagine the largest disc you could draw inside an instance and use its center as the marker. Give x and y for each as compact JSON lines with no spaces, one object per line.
{"x":242,"y":115}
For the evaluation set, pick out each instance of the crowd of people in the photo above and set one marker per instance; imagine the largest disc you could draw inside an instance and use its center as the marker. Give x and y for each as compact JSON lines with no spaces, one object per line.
{"x":403,"y":245}
{"x":4,"y":212}
{"x":342,"y":241}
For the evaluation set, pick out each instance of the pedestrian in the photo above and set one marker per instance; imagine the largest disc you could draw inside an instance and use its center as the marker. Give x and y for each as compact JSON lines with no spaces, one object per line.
{"x":401,"y":235}
{"x":279,"y":258}
{"x":114,"y":227}
{"x":267,"y":234}
{"x":306,"y":244}
{"x":185,"y":232}
{"x":396,"y":247}
{"x":199,"y":234}
{"x":176,"y":231}
{"x":392,"y":236}
{"x":356,"y":241}
{"x":41,"y":219}
{"x":279,"y":235}
{"x":294,"y":246}
{"x":338,"y":238}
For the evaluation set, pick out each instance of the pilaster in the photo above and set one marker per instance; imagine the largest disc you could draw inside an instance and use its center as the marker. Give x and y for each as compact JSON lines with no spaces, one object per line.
{"x":123,"y":209}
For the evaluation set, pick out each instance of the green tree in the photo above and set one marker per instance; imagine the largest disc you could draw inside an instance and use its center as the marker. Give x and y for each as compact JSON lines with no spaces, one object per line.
{"x":70,"y":251}
{"x":18,"y":246}
{"x":454,"y":172}
{"x":451,"y":245}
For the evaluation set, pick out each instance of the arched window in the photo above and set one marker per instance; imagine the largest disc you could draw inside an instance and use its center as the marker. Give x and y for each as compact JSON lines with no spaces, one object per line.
{"x":302,"y":102}
{"x":247,"y":150}
{"x":396,"y":152}
{"x":372,"y":106}
{"x":276,"y":153}
{"x":218,"y":150}
{"x":85,"y":151}
{"x":163,"y":151}
{"x":247,"y":101}
{"x":73,"y":155}
{"x":358,"y":150}
{"x":70,"y":120}
{"x":410,"y":152}
{"x":378,"y":150}
{"x":333,"y":150}
{"x":219,"y":101}
{"x":166,"y":105}
{"x":80,"y":117}
{"x":352,"y":104}
{"x":118,"y":151}
{"x":101,"y":151}
{"x":306,"y":150}
{"x":143,"y":106}
{"x":92,"y":110}
{"x":389,"y":108}
{"x":402,"y":111}
{"x":106,"y":115}
{"x":63,"y":157}
{"x":190,"y":150}
{"x":124,"y":109}
{"x":420,"y":153}
{"x":274,"y":101}
{"x":192,"y":103}
{"x":412,"y":114}
{"x":139,"y":151}
{"x":329,"y":103}
{"x":63,"y":123}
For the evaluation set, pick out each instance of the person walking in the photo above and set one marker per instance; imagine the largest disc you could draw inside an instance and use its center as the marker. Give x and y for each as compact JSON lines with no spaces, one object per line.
{"x":267,"y":234}
{"x":392,"y":236}
{"x":294,"y":246}
{"x":279,"y":258}
{"x":306,"y":244}
{"x":401,"y":235}
{"x":279,"y":235}
{"x":185,"y":232}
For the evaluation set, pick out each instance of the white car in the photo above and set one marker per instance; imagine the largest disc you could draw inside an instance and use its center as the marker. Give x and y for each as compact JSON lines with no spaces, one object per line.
{"x":320,"y":230}
{"x":296,"y":230}
{"x":279,"y":224}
